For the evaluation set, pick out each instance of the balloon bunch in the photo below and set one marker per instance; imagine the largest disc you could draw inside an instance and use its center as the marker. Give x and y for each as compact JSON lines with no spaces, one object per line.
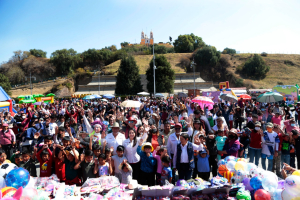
{"x":263,"y":184}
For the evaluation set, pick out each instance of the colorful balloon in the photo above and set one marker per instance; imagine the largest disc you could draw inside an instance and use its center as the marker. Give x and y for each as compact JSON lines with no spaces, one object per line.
{"x":296,"y":173}
{"x":250,"y":166}
{"x":262,"y":195}
{"x":246,"y":183}
{"x":277,"y":194}
{"x":280,"y":184}
{"x":242,"y":159}
{"x":230,"y":158}
{"x":221,"y":162}
{"x":255,"y":183}
{"x":292,"y":185}
{"x":8,"y":191}
{"x":238,"y":177}
{"x":243,"y":194}
{"x":2,"y":182}
{"x":230,"y":165}
{"x":222,"y":169}
{"x":240,"y":165}
{"x":17,"y":178}
{"x":29,"y":193}
{"x":269,"y":184}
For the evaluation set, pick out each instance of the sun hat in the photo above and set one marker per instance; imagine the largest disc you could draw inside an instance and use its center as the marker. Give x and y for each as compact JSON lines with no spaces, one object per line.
{"x":233,"y":130}
{"x":184,"y":114}
{"x":5,"y":124}
{"x":115,"y":125}
{"x":257,"y":123}
{"x":269,"y":124}
{"x":72,"y":153}
{"x":203,"y":152}
{"x":147,"y":144}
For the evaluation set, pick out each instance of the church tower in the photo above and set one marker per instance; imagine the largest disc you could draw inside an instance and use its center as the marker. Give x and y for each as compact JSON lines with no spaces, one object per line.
{"x":142,"y":38}
{"x":151,"y":38}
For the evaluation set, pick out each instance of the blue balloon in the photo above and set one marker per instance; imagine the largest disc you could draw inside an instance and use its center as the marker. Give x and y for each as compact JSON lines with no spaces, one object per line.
{"x":255,"y":183}
{"x":17,"y":178}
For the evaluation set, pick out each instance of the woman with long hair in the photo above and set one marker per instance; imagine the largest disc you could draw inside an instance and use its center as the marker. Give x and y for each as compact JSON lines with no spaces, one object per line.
{"x":155,"y":138}
{"x":131,"y":144}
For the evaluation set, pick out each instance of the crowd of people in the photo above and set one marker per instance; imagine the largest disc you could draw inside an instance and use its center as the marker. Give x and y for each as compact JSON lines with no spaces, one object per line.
{"x":153,"y":143}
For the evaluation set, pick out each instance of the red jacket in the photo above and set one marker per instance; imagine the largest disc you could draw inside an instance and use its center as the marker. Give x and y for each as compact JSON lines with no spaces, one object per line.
{"x":45,"y":167}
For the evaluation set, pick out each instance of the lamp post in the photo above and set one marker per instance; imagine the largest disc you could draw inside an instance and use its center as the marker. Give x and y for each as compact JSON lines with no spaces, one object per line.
{"x":193,"y":65}
{"x":154,"y":67}
{"x":99,"y":80}
{"x":30,"y":81}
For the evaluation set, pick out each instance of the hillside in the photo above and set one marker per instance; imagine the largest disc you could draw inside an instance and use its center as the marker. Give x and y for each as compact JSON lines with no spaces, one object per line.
{"x":143,"y":62}
{"x":284,"y":69}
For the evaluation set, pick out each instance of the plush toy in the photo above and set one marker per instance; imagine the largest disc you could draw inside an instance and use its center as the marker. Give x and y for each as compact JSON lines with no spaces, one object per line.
{"x":238,"y":177}
{"x":243,"y":194}
{"x":255,"y":172}
{"x":16,"y":196}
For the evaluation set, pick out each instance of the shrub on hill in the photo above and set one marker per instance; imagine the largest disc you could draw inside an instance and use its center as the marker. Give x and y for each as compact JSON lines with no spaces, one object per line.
{"x":255,"y":67}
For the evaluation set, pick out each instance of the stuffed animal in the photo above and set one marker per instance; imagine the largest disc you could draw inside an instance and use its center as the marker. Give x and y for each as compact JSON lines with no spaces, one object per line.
{"x":16,"y":196}
{"x":238,"y":177}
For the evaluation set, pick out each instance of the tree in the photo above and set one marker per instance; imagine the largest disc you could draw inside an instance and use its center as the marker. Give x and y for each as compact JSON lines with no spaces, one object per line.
{"x":5,"y":84}
{"x":255,"y":67}
{"x":65,"y":60}
{"x":229,"y":51}
{"x":15,"y":75}
{"x":159,"y":49}
{"x":164,"y":75}
{"x":20,"y":55}
{"x":124,"y":44}
{"x":170,"y":38}
{"x":37,"y":66}
{"x":188,"y":43}
{"x":38,"y":53}
{"x":207,"y":56}
{"x":95,"y":57}
{"x":128,"y":77}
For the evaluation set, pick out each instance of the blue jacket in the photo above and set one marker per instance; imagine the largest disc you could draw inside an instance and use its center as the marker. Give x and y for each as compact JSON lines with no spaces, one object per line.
{"x":29,"y":134}
{"x":147,"y":163}
{"x":190,"y":152}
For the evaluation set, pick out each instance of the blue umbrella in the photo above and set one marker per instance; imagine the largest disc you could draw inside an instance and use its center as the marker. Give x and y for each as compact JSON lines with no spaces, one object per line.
{"x":96,"y":96}
{"x":108,"y":96}
{"x":88,"y":97}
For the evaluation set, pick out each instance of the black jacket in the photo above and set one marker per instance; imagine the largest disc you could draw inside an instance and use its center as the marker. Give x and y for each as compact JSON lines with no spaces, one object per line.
{"x":30,"y":167}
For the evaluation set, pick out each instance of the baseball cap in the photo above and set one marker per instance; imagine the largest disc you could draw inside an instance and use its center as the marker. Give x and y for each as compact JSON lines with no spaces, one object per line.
{"x":178,"y":125}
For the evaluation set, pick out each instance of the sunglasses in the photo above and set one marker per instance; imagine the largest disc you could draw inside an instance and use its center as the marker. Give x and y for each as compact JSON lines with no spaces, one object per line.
{"x":177,"y":128}
{"x":130,"y":122}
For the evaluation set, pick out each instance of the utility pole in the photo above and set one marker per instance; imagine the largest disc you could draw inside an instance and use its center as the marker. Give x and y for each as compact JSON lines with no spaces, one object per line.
{"x":30,"y":83}
{"x":154,"y":68}
{"x":99,"y":79}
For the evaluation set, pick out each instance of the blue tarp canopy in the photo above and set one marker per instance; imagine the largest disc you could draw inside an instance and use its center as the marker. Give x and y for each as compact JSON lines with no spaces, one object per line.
{"x":3,"y":95}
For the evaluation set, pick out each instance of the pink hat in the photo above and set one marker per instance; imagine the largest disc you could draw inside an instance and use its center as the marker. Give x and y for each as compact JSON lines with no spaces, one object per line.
{"x":5,"y":124}
{"x":178,"y":124}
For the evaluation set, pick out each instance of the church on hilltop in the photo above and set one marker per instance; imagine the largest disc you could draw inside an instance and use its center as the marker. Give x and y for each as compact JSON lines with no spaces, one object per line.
{"x":145,"y":40}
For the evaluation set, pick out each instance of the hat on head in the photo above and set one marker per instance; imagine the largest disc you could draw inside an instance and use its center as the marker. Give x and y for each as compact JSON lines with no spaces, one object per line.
{"x":269,"y":124}
{"x":233,"y":130}
{"x":72,"y":153}
{"x":147,"y":144}
{"x":257,"y":123}
{"x":203,"y":152}
{"x":178,"y":125}
{"x":131,"y":119}
{"x":5,"y":124}
{"x":42,"y":119}
{"x":184,"y":114}
{"x":237,"y":107}
{"x":115,"y":125}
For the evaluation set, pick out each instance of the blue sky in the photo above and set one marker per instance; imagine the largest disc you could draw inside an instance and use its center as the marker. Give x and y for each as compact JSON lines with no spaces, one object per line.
{"x":254,"y":26}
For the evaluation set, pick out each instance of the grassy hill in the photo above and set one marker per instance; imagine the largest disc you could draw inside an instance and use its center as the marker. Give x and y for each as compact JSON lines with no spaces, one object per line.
{"x":143,"y":62}
{"x":284,"y":70}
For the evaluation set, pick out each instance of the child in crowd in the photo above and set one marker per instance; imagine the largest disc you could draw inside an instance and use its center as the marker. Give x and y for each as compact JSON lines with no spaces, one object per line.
{"x":231,"y":120}
{"x":71,"y":173}
{"x":285,"y":149}
{"x":96,"y":151}
{"x":59,"y":158}
{"x":166,"y":173}
{"x":116,"y":160}
{"x":148,"y":163}
{"x":158,"y":154}
{"x":249,"y":118}
{"x":17,"y":159}
{"x":102,"y":168}
{"x":203,"y":165}
{"x":3,"y":157}
{"x":27,"y":163}
{"x":220,"y":141}
{"x":244,"y":140}
{"x":86,"y":165}
{"x":126,"y":172}
{"x":44,"y":156}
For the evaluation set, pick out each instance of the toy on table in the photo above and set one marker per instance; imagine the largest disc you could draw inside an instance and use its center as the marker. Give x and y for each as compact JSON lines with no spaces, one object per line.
{"x":17,"y":178}
{"x":16,"y":196}
{"x":243,"y":194}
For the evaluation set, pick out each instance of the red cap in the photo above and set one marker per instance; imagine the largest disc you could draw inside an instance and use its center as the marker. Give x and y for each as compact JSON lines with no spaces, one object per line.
{"x":178,"y":124}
